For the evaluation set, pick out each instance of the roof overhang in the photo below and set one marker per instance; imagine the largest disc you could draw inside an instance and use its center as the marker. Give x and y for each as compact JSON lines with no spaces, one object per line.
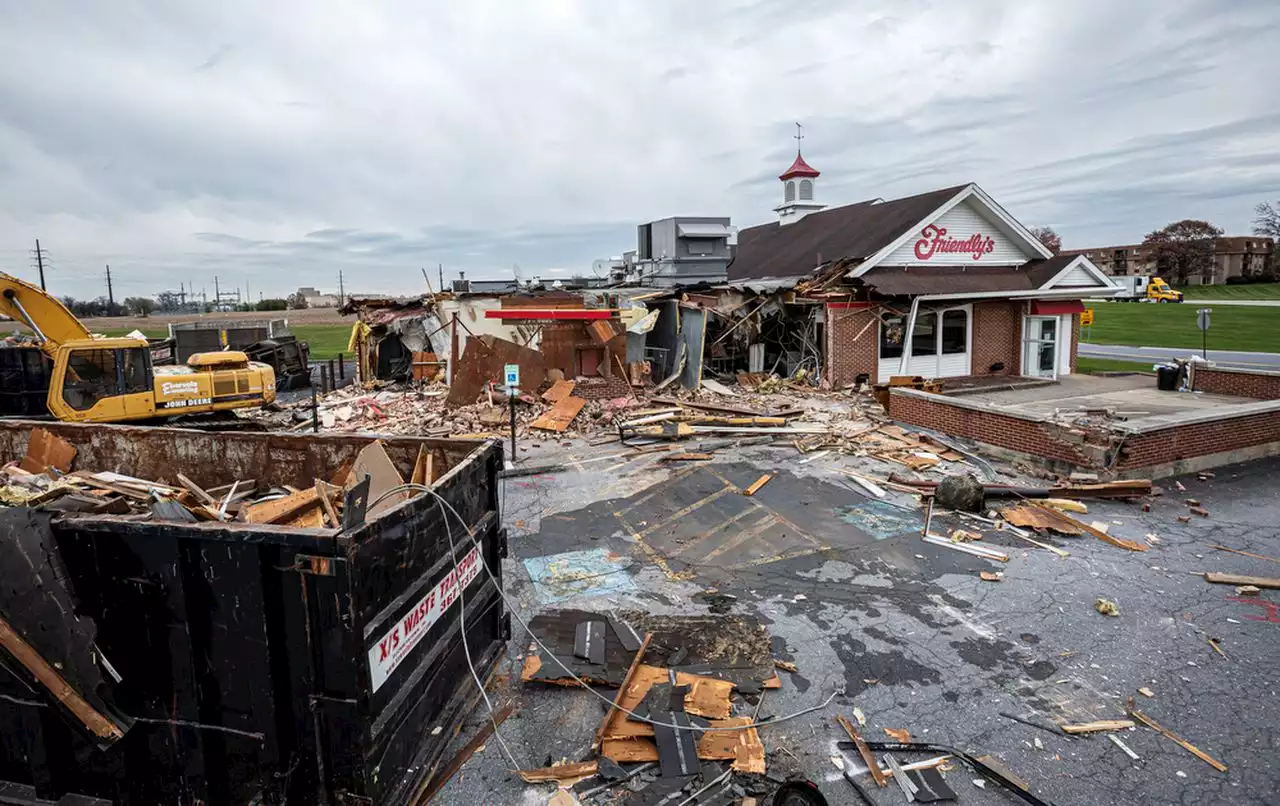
{"x":1082,"y":262}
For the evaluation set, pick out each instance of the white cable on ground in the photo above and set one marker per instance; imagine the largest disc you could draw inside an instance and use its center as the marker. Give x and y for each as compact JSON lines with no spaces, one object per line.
{"x":511,"y":608}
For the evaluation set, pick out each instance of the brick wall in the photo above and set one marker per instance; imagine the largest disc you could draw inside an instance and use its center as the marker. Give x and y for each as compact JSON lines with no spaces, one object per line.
{"x":997,"y":337}
{"x":1257,"y":385}
{"x":1014,"y":433}
{"x":848,"y":353}
{"x":1199,"y":439}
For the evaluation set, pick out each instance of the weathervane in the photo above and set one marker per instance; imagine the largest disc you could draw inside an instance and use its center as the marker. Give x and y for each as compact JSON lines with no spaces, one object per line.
{"x":799,"y":136}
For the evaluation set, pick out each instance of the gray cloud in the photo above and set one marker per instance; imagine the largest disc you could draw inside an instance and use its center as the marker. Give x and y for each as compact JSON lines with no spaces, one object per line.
{"x":275,"y":145}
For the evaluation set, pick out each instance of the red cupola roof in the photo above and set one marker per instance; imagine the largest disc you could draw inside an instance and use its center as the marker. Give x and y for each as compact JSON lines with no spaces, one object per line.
{"x":799,"y":168}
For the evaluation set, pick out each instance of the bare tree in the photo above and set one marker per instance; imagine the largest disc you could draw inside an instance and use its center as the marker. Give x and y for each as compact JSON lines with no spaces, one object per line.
{"x":1048,"y":237}
{"x":1184,"y":248}
{"x":1268,"y":220}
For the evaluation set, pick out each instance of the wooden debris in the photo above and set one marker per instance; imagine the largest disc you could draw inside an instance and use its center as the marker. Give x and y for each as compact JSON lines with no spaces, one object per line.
{"x":867,"y":484}
{"x":1066,"y":505}
{"x":991,"y":576}
{"x":559,"y":416}
{"x":1120,"y":744}
{"x":1237,"y":579}
{"x":688,"y":457}
{"x":977,"y":549}
{"x":1248,"y":590}
{"x":1146,"y":692}
{"x":1168,"y":734}
{"x":435,"y":783}
{"x":1213,"y":642}
{"x":1246,"y":553}
{"x":1098,"y":726}
{"x":48,"y":677}
{"x":785,"y":665}
{"x":760,"y":482}
{"x":1201,"y":511}
{"x":279,"y":510}
{"x":622,"y":690}
{"x":373,"y":461}
{"x":1065,"y":520}
{"x":898,"y":734}
{"x":559,"y":391}
{"x":873,"y":766}
{"x":565,"y":774}
{"x":47,"y":450}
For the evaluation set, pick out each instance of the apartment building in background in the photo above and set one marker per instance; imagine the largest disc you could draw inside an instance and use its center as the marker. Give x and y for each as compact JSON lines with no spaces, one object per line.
{"x":1233,"y":256}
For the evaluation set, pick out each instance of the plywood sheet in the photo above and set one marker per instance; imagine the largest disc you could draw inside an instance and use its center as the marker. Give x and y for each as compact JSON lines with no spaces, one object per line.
{"x":374,"y":462}
{"x":559,"y":416}
{"x":559,"y":391}
{"x":45,"y":450}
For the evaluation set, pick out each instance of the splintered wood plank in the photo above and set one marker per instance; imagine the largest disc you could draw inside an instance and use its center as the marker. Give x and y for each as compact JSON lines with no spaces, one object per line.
{"x":193,"y":488}
{"x":559,"y":416}
{"x":1100,"y":725}
{"x":755,"y":487}
{"x":422,"y":468}
{"x":282,"y":509}
{"x":1237,"y":579}
{"x":559,"y":391}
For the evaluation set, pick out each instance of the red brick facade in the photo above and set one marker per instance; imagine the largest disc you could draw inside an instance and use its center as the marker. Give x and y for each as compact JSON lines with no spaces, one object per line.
{"x":1014,"y":433}
{"x":1199,"y":439}
{"x":852,"y":344}
{"x":1257,"y":385}
{"x":997,"y":337}
{"x":1093,"y":450}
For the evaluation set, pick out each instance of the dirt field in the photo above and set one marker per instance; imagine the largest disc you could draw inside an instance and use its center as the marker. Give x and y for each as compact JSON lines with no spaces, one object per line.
{"x":309,"y":316}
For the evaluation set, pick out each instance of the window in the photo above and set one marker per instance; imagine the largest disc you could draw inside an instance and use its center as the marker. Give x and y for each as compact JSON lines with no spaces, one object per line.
{"x":137,"y":370}
{"x":924,"y":339}
{"x":955,"y":332}
{"x":892,"y":329}
{"x":790,"y":192}
{"x":90,"y":377}
{"x":701,"y":246}
{"x":806,"y":190}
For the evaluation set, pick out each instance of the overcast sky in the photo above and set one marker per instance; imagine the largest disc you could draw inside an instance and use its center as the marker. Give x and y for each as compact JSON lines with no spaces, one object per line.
{"x":276,"y":143}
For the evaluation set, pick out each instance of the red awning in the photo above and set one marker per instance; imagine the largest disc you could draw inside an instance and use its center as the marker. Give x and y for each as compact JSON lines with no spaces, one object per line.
{"x":550,"y":313}
{"x":1050,"y":307}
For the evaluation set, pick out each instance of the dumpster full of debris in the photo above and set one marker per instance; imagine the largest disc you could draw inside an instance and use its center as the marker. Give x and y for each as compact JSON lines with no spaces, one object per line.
{"x":192,"y":617}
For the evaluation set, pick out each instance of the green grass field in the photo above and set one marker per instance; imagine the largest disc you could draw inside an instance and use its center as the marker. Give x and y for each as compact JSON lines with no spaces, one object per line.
{"x":1086,"y":365}
{"x":1208,"y":293}
{"x":1233,"y":327}
{"x":326,"y":341}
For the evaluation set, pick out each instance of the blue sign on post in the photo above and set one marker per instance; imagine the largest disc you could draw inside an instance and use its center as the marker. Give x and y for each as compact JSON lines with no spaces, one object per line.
{"x":512,"y":372}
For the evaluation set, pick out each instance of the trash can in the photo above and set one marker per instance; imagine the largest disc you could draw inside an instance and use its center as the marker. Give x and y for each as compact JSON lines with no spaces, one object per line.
{"x":1167,"y":379}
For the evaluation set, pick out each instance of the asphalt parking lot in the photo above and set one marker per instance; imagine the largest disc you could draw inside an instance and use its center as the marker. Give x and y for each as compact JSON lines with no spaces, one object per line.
{"x":911,"y":635}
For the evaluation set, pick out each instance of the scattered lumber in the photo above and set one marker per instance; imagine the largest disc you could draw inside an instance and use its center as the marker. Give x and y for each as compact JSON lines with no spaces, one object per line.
{"x":1239,"y":579}
{"x":757,"y":484}
{"x":1168,"y":734}
{"x":1098,"y":726}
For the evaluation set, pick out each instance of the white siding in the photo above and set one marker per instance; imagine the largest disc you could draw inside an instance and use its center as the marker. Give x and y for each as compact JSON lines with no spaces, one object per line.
{"x":961,"y":222}
{"x":1077,"y":276}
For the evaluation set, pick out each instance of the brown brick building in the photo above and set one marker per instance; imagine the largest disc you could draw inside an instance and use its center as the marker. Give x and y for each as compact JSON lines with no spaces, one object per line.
{"x":1233,"y":256}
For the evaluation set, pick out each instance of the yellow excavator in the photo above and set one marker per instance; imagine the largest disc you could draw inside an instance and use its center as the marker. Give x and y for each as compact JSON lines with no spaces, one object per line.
{"x":113,"y":381}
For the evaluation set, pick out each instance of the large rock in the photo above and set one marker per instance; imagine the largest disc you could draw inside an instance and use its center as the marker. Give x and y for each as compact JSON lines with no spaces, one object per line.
{"x":960,"y":492}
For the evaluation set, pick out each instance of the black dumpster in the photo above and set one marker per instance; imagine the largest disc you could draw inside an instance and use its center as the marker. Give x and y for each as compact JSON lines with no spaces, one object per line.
{"x":241,"y":663}
{"x":1167,"y":379}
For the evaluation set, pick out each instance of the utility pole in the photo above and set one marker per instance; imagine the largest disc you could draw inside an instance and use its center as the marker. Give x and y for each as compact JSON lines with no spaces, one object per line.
{"x":217,"y":293}
{"x":111,"y":297}
{"x":440,"y":266}
{"x":342,"y":293}
{"x":40,"y":264}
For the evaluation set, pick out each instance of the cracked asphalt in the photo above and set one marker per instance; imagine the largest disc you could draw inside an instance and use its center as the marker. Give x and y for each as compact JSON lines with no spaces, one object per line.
{"x":911,"y":634}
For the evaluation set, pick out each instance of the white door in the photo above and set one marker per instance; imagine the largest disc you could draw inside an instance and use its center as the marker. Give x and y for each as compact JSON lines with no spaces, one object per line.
{"x":1040,"y":346}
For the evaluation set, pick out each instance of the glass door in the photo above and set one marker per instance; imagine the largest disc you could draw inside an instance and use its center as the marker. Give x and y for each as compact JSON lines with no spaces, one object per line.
{"x":1040,"y":357}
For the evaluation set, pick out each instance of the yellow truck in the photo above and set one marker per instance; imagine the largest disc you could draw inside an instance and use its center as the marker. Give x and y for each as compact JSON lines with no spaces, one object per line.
{"x":113,"y":380}
{"x":1146,"y":289}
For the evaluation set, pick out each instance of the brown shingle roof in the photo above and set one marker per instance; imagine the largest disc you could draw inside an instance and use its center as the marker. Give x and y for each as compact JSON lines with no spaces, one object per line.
{"x":851,"y":232}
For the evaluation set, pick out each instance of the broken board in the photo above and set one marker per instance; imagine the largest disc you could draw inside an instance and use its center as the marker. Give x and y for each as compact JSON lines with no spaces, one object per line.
{"x":374,"y":462}
{"x":559,"y":391}
{"x":45,"y":450}
{"x":559,"y":416}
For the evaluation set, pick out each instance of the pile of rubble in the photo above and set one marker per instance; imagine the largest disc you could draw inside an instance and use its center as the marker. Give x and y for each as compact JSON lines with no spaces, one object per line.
{"x":44,"y":478}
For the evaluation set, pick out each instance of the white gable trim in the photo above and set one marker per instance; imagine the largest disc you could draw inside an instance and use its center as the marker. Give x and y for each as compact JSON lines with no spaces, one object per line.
{"x":1082,"y":262}
{"x":985,"y":204}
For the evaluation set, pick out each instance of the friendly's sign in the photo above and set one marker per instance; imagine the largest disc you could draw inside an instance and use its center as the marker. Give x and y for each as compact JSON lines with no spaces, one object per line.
{"x":389,"y":651}
{"x":934,"y":241}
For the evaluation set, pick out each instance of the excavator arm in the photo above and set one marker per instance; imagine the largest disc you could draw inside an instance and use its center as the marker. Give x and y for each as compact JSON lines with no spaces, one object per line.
{"x":48,"y":318}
